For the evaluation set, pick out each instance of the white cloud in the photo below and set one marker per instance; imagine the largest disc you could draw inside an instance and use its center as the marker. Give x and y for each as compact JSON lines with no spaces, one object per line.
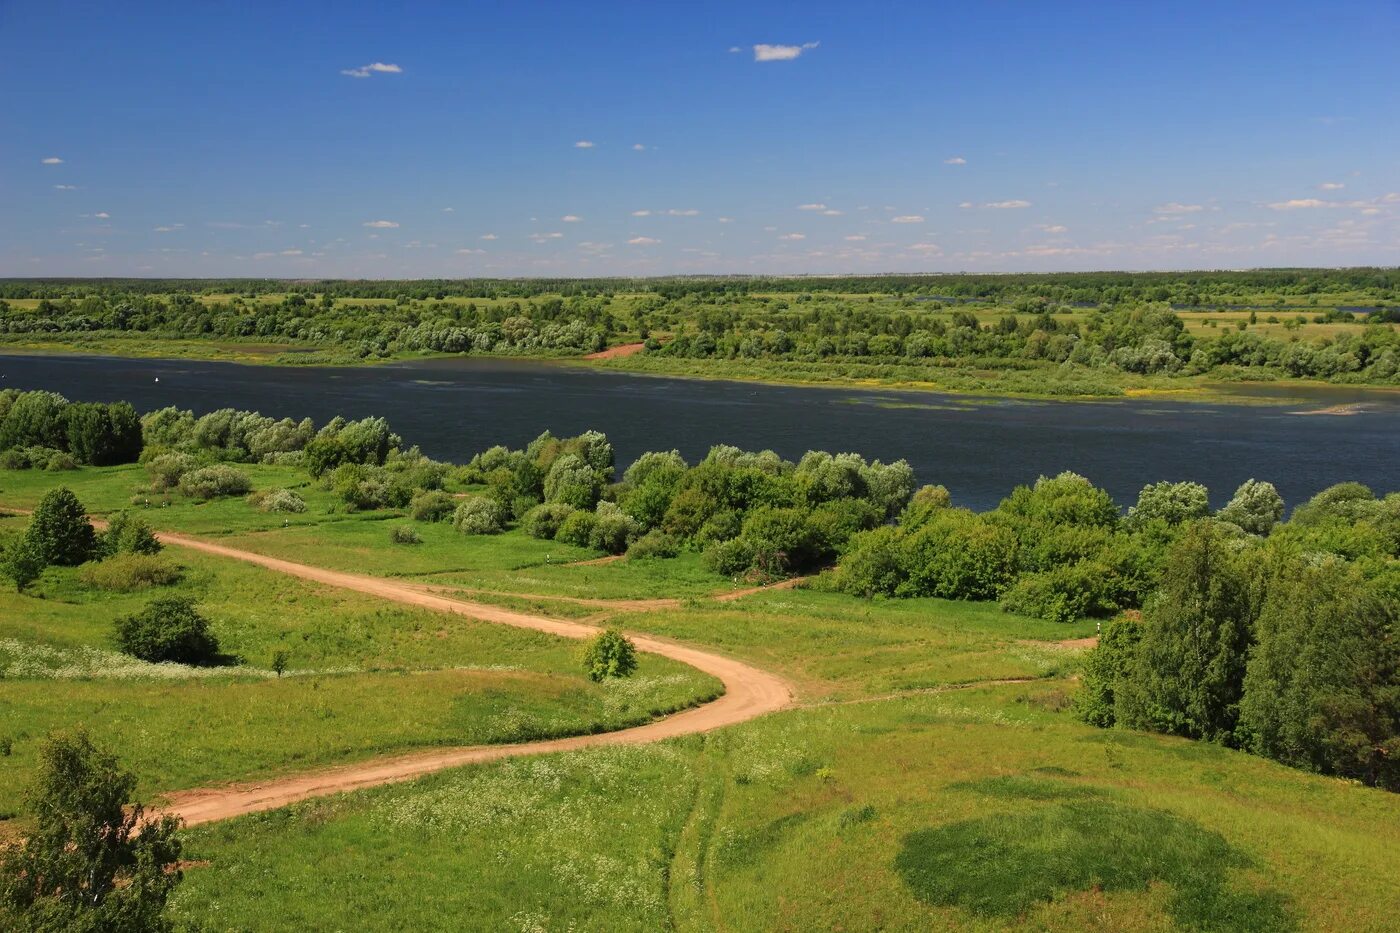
{"x":638,"y":147}
{"x":1331,"y":186}
{"x":1007,"y":205}
{"x":168,"y":228}
{"x":966,"y":205}
{"x":1054,"y":228}
{"x":793,"y":236}
{"x":780,"y":53}
{"x":291,"y":252}
{"x":470,"y":252}
{"x":1174,"y":207}
{"x":448,"y":210}
{"x":364,"y":71}
{"x":689,"y":212}
{"x":735,"y":48}
{"x":571,"y":218}
{"x":541,"y":237}
{"x":955,"y":160}
{"x":725,"y":220}
{"x":381,"y":224}
{"x":102,"y":215}
{"x":925,"y":248}
{"x":811,"y":207}
{"x":65,"y":187}
{"x":51,"y":160}
{"x":1302,"y":203}
{"x":488,"y":236}
{"x":641,"y":213}
{"x":856,"y":237}
{"x":584,"y":144}
{"x":643,"y":241}
{"x":832,"y":213}
{"x":907,"y":219}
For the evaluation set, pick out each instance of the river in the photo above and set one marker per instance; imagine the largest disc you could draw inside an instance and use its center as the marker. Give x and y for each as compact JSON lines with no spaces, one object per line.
{"x":978,"y":448}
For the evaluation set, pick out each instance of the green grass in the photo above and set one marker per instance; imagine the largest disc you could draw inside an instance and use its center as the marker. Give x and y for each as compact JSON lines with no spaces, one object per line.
{"x":824,"y":819}
{"x":365,"y":678}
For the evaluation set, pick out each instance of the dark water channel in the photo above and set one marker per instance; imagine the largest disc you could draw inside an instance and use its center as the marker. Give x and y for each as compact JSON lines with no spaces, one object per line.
{"x":978,"y":448}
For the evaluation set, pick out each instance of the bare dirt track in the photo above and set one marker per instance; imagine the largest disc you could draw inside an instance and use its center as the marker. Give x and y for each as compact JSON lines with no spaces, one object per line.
{"x":749,"y":692}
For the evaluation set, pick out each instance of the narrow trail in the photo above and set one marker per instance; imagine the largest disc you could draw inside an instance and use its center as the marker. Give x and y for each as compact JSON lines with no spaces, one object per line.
{"x":749,"y":693}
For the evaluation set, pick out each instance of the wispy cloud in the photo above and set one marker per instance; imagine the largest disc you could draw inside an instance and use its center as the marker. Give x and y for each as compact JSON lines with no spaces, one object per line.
{"x":638,"y":147}
{"x":290,"y":252}
{"x":489,"y":236}
{"x":449,"y":210}
{"x":1331,"y":186}
{"x":542,"y":237}
{"x":65,"y":187}
{"x":1053,"y":228}
{"x":584,"y":144}
{"x":1014,"y":204}
{"x":571,"y":218}
{"x":907,"y":219}
{"x":373,"y":68}
{"x":955,"y":160}
{"x":856,"y":238}
{"x":688,"y":212}
{"x":643,"y":241}
{"x":168,"y":228}
{"x":811,"y":207}
{"x":102,"y":215}
{"x":763,"y":52}
{"x":793,"y":236}
{"x":924,"y":248}
{"x":52,"y":160}
{"x":1175,"y":207}
{"x":471,"y":252}
{"x":381,"y":224}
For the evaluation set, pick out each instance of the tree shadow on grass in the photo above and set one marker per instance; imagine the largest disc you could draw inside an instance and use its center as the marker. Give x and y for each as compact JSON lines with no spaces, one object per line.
{"x":1004,"y":864}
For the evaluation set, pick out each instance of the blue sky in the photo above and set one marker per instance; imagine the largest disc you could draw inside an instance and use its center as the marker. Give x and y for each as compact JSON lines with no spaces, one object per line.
{"x":470,"y":139}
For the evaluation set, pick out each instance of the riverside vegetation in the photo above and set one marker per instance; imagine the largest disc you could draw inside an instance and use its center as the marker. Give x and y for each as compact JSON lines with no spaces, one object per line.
{"x":1234,"y":627}
{"x":1084,"y":334}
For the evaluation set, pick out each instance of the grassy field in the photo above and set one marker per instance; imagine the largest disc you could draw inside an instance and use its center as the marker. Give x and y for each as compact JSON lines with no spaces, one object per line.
{"x":930,"y":778}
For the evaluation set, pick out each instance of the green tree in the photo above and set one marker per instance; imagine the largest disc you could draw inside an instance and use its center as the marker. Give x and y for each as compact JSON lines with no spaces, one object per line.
{"x":23,"y":563}
{"x":60,"y":531}
{"x":610,"y":654}
{"x":1190,"y":666}
{"x":1256,"y":507}
{"x":168,"y":629}
{"x":1322,"y":690}
{"x":94,"y":862}
{"x":1173,"y":503}
{"x":1106,"y":668}
{"x":128,"y":534}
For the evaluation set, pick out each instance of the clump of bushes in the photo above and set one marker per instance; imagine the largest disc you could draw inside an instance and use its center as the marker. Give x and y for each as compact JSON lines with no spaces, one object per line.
{"x":128,"y":534}
{"x":124,"y":573}
{"x":432,"y":505}
{"x":610,"y":654}
{"x":404,"y":534}
{"x":59,"y":531}
{"x":169,"y":629}
{"x":480,"y":515}
{"x":165,"y":469}
{"x":652,"y":545}
{"x":278,"y":500}
{"x":544,"y":521}
{"x":216,"y":481}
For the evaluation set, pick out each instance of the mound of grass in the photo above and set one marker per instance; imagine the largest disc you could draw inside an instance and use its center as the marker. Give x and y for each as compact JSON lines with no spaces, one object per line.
{"x":1003,"y":864}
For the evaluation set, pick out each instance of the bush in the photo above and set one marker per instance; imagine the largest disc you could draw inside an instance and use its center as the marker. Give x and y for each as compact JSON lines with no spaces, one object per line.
{"x":480,"y":515}
{"x":127,"y":534}
{"x":127,"y":572}
{"x":213,"y":482}
{"x":652,"y":545}
{"x":577,"y":529}
{"x":431,"y":506}
{"x":165,"y":470}
{"x":60,"y":462}
{"x":169,"y":629}
{"x":543,"y":521}
{"x":610,"y":654}
{"x":278,"y":500}
{"x":1063,"y":593}
{"x":1173,"y":503}
{"x":22,"y":562}
{"x":612,"y":529}
{"x":729,"y":558}
{"x":1256,"y":507}
{"x":404,"y":534}
{"x":60,"y":531}
{"x":958,"y":555}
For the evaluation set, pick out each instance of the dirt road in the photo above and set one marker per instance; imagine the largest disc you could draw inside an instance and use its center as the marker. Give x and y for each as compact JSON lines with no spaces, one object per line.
{"x":749,"y":692}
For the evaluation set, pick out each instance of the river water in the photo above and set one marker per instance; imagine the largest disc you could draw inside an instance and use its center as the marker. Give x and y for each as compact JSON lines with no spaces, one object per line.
{"x":978,"y":448}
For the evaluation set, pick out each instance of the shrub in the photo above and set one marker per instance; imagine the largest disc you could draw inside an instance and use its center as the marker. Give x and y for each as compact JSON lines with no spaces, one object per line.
{"x":1106,"y":668}
{"x":22,"y":562}
{"x":431,"y":506}
{"x":729,"y":558}
{"x":127,"y":572}
{"x":60,"y":531}
{"x":1173,"y":503}
{"x":60,"y":462}
{"x":612,"y":529}
{"x":127,"y":534}
{"x":1063,"y":593}
{"x":165,"y":470}
{"x":610,"y":654}
{"x":543,"y":521}
{"x":480,"y":515}
{"x":278,"y":500}
{"x":404,"y":534}
{"x":1256,"y":507}
{"x":573,"y":482}
{"x":577,"y":529}
{"x":168,"y":629}
{"x":873,"y":564}
{"x":959,"y":555}
{"x":654,"y":544}
{"x":14,"y":459}
{"x":215,"y":481}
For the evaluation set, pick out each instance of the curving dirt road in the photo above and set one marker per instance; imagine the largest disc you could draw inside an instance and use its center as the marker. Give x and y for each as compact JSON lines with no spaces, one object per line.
{"x":749,"y":692}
